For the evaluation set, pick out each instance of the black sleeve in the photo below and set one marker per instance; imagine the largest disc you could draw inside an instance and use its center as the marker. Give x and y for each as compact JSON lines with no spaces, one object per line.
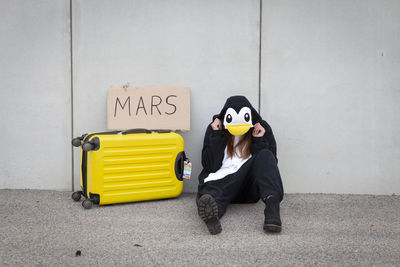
{"x":214,"y":145}
{"x":267,"y":141}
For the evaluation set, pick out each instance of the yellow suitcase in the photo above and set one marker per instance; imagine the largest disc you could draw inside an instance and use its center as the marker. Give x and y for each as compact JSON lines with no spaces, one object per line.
{"x":129,"y":166}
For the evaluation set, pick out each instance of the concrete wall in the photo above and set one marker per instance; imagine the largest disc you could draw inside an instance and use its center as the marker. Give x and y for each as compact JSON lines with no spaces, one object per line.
{"x":331,"y":90}
{"x":329,"y":81}
{"x":35,"y":87}
{"x":209,"y":46}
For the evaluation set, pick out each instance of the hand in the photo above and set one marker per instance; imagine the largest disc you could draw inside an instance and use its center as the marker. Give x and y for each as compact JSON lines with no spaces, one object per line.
{"x":258,"y":130}
{"x":216,"y":125}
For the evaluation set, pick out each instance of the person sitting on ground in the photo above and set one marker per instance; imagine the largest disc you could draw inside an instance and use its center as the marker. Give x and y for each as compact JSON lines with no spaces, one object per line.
{"x":239,"y":165}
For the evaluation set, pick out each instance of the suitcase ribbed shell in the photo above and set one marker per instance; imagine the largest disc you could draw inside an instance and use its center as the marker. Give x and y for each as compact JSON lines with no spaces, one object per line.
{"x":134,"y":167}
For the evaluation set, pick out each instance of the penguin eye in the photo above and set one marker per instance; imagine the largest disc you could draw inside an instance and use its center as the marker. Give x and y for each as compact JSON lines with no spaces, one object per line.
{"x":246,"y":117}
{"x":229,"y":118}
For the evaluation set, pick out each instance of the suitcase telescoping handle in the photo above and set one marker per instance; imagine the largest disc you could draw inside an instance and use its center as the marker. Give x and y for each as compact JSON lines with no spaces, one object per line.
{"x":179,"y":165}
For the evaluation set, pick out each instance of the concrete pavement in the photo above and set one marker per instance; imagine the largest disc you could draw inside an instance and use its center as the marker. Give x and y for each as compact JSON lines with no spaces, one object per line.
{"x":48,"y":228}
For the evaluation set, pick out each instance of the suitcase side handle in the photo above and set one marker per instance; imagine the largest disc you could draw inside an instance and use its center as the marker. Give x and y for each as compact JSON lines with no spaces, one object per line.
{"x":179,"y":165}
{"x":137,"y":130}
{"x":142,"y":130}
{"x":162,"y":131}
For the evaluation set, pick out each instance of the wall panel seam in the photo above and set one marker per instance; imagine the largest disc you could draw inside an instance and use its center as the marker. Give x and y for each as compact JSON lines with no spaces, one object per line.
{"x":259,"y":59}
{"x":71,"y":94}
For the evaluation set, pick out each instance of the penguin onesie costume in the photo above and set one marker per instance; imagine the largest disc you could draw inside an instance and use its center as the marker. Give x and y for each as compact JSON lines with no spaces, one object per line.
{"x":236,"y":176}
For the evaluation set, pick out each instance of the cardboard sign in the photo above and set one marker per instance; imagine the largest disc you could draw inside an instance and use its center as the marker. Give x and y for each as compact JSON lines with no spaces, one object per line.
{"x":149,"y":107}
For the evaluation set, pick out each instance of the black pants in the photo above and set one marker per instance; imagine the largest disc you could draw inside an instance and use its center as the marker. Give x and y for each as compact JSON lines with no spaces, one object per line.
{"x":257,"y":178}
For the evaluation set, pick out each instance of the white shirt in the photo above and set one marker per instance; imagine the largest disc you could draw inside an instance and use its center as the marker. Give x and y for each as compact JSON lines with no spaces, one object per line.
{"x":229,"y":165}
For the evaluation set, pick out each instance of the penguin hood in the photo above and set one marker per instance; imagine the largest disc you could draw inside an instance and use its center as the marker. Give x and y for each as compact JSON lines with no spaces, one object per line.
{"x":238,"y":115}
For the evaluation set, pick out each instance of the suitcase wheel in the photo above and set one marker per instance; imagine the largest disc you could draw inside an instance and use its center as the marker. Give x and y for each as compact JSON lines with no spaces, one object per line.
{"x":87,"y":146}
{"x":76,"y":196}
{"x":87,"y":204}
{"x":76,"y":142}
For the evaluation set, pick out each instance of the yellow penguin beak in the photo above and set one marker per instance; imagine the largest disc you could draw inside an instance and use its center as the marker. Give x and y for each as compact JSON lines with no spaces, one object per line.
{"x":238,"y":129}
